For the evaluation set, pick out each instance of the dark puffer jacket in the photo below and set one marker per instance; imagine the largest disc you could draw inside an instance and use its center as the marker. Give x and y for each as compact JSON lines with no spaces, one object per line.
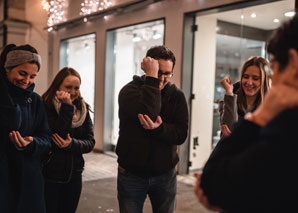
{"x":60,"y":164}
{"x":21,"y":181}
{"x":150,"y":152}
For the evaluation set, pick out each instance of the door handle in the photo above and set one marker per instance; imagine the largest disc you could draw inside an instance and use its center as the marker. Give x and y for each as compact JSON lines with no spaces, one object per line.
{"x":195,"y":142}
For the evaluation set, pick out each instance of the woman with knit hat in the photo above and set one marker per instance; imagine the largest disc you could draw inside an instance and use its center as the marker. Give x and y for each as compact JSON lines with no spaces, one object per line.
{"x":25,"y":134}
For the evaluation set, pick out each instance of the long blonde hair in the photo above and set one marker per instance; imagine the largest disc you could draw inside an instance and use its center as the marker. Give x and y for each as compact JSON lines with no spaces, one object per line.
{"x":261,"y":63}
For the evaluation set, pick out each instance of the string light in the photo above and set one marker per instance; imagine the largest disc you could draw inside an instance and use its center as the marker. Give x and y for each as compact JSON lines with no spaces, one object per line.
{"x":91,"y":6}
{"x":56,"y":11}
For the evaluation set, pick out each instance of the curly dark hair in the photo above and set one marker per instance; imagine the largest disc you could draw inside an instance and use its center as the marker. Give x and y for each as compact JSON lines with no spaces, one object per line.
{"x":282,"y":40}
{"x":161,"y":52}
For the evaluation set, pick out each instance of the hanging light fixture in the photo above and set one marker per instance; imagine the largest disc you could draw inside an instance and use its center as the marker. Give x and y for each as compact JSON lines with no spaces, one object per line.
{"x":136,"y":37}
{"x":91,"y":6}
{"x":156,"y":35}
{"x":56,"y":11}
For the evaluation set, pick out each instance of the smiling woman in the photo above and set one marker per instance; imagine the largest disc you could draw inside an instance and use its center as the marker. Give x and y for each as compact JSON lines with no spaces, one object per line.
{"x":24,"y":131}
{"x":244,"y":96}
{"x":70,"y":122}
{"x":251,"y":83}
{"x":23,"y":75}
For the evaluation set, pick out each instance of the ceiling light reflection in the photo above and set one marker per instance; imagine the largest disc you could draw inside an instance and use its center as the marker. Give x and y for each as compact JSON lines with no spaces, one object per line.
{"x":289,"y":14}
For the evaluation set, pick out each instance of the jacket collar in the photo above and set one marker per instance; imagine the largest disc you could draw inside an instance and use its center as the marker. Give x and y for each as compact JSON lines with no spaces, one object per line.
{"x":17,"y":92}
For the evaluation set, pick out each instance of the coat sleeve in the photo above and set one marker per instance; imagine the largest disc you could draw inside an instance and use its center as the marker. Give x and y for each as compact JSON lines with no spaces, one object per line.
{"x":10,"y":113}
{"x":87,"y":142}
{"x":10,"y":117}
{"x":174,"y":132}
{"x":42,"y":133}
{"x":228,"y":110}
{"x":60,"y":123}
{"x":140,"y":99}
{"x":5,"y":98}
{"x":242,"y":169}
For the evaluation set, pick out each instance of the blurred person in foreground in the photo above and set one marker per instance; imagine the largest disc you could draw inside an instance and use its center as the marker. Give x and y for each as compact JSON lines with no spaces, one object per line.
{"x":254,"y":169}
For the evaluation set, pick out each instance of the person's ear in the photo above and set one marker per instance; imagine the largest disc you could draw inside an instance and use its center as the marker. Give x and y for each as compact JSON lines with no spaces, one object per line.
{"x":293,"y":61}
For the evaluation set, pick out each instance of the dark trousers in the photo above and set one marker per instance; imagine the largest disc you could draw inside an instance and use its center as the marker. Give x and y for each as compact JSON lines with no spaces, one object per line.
{"x":133,"y":190}
{"x":63,"y":197}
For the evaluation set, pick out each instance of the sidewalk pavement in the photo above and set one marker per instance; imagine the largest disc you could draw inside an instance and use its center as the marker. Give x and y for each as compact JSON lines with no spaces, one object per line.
{"x":99,"y":193}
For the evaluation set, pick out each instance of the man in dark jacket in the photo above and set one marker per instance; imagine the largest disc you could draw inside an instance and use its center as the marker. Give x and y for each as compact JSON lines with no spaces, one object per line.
{"x":254,"y":168}
{"x":153,"y":121}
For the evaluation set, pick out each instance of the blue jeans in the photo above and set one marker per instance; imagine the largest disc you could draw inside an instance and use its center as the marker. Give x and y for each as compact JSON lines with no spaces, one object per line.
{"x":132,"y":192}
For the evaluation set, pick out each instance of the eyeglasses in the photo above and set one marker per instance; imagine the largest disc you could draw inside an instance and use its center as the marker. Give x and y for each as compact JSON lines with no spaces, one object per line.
{"x":165,"y":74}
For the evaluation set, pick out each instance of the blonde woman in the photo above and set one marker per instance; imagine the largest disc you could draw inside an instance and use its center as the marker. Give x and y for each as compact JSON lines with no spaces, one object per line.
{"x":244,"y":96}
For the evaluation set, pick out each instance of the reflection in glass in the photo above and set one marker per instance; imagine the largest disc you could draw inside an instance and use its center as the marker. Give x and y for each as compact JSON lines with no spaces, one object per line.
{"x":79,"y":53}
{"x":126,"y":48}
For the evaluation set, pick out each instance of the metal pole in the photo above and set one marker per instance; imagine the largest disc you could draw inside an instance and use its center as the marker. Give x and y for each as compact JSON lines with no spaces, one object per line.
{"x":5,"y":9}
{"x":5,"y":12}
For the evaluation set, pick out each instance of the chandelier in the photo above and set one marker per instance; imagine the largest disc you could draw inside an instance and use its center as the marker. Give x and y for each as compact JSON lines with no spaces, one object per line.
{"x":91,"y":6}
{"x":56,"y":11}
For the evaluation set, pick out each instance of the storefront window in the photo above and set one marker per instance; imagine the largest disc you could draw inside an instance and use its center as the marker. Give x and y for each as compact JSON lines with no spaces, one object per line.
{"x":223,"y":42}
{"x":79,"y":53}
{"x":126,"y":47}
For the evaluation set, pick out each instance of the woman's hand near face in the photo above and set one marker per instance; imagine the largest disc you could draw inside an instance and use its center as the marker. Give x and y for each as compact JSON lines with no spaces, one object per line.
{"x":227,"y":84}
{"x":60,"y":142}
{"x":21,"y":142}
{"x":64,"y":97}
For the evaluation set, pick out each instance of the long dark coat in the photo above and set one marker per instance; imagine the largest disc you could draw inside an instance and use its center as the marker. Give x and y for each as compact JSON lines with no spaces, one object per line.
{"x":21,"y":181}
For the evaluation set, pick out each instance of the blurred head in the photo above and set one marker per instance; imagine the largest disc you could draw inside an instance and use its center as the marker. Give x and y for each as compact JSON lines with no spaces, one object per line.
{"x":68,"y":80}
{"x":20,"y":64}
{"x":254,"y":81}
{"x":283,"y":48}
{"x":166,"y":60}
